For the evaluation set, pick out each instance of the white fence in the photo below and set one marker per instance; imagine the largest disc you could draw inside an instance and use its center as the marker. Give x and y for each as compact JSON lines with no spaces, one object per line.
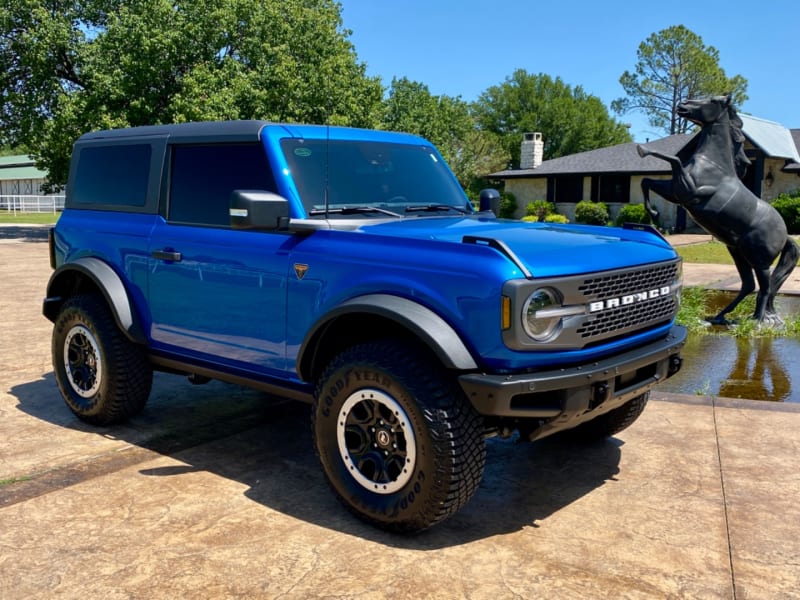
{"x":31,"y":204}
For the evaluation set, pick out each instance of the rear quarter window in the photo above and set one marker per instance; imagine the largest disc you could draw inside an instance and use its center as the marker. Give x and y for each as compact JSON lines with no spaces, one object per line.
{"x":112,"y":176}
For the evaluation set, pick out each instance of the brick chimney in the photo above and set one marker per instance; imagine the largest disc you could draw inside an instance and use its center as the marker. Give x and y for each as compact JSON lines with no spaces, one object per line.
{"x":532,"y":150}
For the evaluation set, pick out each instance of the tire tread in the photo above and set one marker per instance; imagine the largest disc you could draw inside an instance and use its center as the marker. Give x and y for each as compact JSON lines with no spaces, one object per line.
{"x":455,"y":427}
{"x":129,"y":375}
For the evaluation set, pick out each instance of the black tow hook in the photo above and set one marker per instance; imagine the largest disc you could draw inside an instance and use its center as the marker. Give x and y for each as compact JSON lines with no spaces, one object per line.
{"x":599,"y":395}
{"x":675,"y":364}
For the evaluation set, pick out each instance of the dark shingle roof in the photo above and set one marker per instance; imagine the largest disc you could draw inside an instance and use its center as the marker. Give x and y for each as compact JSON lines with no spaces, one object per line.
{"x":621,"y":158}
{"x":794,"y":167}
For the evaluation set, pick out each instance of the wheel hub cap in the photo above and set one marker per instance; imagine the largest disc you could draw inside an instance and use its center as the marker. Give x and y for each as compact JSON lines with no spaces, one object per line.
{"x":82,"y":361}
{"x":376,"y":441}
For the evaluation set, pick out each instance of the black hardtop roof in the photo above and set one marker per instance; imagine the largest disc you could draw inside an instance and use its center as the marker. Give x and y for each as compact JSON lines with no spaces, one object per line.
{"x":218,"y":131}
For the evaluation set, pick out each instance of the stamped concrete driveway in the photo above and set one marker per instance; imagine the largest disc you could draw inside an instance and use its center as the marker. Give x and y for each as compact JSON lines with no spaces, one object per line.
{"x":214,"y":492}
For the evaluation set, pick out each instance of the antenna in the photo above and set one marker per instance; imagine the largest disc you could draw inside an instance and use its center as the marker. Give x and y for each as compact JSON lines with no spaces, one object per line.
{"x":327,"y":164}
{"x":327,"y":152}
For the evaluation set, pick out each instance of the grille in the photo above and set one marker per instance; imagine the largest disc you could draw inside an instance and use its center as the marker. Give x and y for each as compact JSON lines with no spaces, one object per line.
{"x":619,"y":284}
{"x":632,"y":316}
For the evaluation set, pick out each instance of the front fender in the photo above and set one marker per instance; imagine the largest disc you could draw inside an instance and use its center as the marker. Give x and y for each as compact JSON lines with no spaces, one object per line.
{"x":67,"y":280}
{"x":425,"y":324}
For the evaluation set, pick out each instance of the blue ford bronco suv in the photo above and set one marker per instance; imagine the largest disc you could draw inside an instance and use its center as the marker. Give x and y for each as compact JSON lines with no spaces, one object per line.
{"x":347,"y":268}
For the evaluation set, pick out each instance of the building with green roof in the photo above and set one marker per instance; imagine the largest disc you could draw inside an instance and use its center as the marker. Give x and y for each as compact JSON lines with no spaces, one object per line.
{"x":21,"y":186}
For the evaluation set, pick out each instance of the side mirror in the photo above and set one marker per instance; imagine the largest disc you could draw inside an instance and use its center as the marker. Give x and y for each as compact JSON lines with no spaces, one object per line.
{"x":258,"y":210}
{"x":490,"y":201}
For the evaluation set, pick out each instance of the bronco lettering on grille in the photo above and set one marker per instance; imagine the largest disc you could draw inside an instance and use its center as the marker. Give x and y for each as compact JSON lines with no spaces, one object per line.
{"x":629,"y":299}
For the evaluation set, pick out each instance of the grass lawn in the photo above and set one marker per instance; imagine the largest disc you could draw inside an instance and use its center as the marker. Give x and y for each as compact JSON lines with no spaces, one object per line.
{"x":28,"y":218}
{"x":712,"y":252}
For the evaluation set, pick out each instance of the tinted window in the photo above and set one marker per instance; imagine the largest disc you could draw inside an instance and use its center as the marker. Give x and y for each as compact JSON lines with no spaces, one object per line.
{"x":565,"y":188}
{"x":112,"y":175}
{"x":203,"y":178}
{"x":611,"y":188}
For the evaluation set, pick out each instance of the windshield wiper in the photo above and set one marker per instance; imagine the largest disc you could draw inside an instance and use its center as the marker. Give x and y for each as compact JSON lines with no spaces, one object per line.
{"x":436,"y":208}
{"x":353,"y":210}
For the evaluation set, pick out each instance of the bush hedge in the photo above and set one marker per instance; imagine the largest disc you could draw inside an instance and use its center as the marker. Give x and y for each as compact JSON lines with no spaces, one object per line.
{"x":556,"y":218}
{"x":508,"y":205}
{"x":632,"y":213}
{"x":591,"y":213}
{"x":540,"y":209}
{"x":788,"y":205}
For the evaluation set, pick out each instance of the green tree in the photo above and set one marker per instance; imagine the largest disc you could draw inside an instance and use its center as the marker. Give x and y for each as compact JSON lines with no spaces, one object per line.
{"x":477,"y":154}
{"x":449,"y":125}
{"x":410,"y":107}
{"x":69,"y":66}
{"x":674,"y":65}
{"x":569,"y":119}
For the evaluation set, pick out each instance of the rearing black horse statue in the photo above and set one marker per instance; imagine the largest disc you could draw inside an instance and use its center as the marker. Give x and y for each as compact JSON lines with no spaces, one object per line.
{"x":706,"y":182}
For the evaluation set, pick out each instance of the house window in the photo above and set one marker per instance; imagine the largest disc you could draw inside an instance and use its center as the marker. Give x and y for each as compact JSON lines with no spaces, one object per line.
{"x":565,"y":188}
{"x":611,"y":188}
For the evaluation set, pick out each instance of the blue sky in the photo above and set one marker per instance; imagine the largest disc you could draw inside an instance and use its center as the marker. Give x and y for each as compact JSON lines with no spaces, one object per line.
{"x":462,"y":47}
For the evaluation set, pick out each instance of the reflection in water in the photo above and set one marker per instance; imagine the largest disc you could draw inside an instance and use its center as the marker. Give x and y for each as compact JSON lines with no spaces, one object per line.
{"x":725,"y":366}
{"x":755,"y":369}
{"x":756,"y":373}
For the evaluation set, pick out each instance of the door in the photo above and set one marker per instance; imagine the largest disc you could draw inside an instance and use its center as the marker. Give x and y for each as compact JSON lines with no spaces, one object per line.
{"x":217,"y":294}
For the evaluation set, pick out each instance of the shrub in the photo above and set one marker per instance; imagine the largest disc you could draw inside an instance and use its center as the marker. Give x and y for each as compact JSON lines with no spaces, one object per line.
{"x":530,"y":219}
{"x":591,"y":213}
{"x":508,"y":205}
{"x":540,"y":209}
{"x":554,"y":218}
{"x":632,"y":213}
{"x":788,"y":205}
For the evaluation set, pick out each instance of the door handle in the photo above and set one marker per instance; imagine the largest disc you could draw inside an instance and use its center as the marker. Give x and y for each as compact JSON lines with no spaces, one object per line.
{"x":169,"y":255}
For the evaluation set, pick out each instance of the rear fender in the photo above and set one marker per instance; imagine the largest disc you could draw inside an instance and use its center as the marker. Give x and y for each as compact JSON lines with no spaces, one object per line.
{"x":73,"y":277}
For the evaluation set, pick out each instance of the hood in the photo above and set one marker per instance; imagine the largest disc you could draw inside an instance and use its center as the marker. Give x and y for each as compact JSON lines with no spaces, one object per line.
{"x":547,"y":250}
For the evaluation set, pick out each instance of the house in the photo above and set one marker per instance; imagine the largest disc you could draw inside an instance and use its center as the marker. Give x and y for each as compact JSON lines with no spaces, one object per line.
{"x":613,"y":175}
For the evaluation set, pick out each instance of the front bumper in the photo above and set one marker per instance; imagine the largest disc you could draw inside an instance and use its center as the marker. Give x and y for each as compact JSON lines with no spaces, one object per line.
{"x":571,"y":395}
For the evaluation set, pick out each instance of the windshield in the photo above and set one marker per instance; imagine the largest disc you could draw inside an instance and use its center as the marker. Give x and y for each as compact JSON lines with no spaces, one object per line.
{"x":396,"y":179}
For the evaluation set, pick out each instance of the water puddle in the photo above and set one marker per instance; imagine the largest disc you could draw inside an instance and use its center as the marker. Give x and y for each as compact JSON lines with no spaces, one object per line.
{"x":753,"y":368}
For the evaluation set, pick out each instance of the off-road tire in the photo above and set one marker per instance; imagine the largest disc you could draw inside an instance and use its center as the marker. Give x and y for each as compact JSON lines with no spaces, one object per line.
{"x":610,"y":423}
{"x":399,"y":443}
{"x":103,"y":377}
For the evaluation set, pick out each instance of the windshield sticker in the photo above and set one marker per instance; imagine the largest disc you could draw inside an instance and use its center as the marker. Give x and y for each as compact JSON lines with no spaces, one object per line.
{"x":302,"y":152}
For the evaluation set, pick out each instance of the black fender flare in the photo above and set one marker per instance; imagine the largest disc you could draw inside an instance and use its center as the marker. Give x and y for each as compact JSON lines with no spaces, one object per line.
{"x":425,"y":324}
{"x":110,"y":285}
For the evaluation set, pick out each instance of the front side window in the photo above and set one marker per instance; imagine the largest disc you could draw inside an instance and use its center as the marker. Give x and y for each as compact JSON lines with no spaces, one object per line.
{"x":395,"y":177}
{"x":203,"y":177}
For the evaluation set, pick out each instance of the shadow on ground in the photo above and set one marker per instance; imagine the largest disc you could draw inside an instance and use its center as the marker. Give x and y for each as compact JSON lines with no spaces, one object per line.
{"x":265,"y":443}
{"x":24,"y":233}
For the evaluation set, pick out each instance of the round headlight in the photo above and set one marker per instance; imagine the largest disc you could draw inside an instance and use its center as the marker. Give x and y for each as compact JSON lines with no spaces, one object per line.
{"x":537,"y":322}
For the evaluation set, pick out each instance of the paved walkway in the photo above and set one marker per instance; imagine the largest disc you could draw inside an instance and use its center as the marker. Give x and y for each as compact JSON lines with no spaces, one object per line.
{"x":214,"y":492}
{"x":721,"y":277}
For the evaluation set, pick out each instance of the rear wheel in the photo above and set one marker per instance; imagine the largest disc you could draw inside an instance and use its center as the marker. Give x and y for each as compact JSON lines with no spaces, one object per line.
{"x":400,"y":445}
{"x":103,"y":377}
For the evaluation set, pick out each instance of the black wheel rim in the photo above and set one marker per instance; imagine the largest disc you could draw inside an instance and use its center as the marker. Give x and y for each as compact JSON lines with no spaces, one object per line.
{"x":376,"y":441}
{"x":82,"y":361}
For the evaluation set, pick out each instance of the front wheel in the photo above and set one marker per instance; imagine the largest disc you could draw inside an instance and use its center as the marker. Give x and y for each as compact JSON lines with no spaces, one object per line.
{"x":400,"y":445}
{"x":610,"y":423}
{"x":104,"y":378}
